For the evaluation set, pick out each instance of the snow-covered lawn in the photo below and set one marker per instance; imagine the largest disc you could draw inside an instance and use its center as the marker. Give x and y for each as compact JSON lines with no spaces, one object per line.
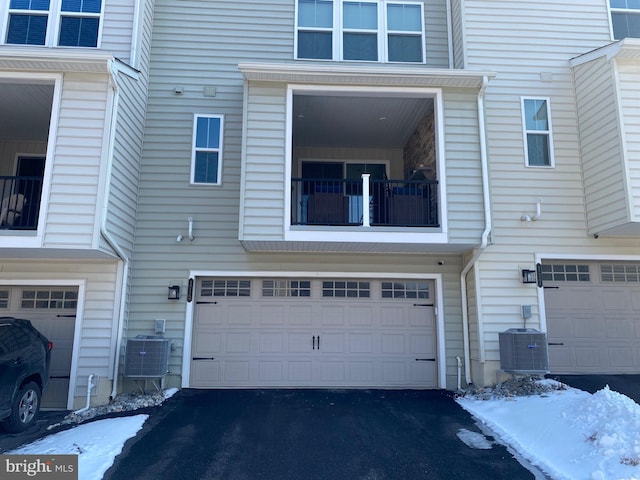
{"x":568,"y":433}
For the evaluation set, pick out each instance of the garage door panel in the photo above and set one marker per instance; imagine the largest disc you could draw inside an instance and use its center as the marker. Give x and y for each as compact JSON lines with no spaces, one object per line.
{"x":392,"y":316}
{"x":236,"y":372}
{"x":270,"y":371}
{"x":205,"y":372}
{"x":206,"y":343}
{"x":619,"y":328}
{"x":300,"y":342}
{"x":394,"y":371}
{"x":421,"y":317}
{"x":332,"y":315}
{"x":272,"y":343}
{"x":561,"y":357}
{"x":615,"y":300}
{"x":393,"y":343}
{"x":362,"y":316}
{"x":422,"y":371}
{"x":621,"y":356}
{"x":332,"y":372}
{"x":300,"y":372}
{"x":361,"y":372}
{"x":239,"y":315}
{"x":588,"y":356}
{"x":361,"y":343}
{"x":422,"y":345}
{"x":300,"y":315}
{"x":272,"y":315}
{"x":208,"y":315}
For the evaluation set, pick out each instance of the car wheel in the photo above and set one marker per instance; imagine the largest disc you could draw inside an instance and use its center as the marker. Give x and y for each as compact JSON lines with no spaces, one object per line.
{"x":24,"y":409}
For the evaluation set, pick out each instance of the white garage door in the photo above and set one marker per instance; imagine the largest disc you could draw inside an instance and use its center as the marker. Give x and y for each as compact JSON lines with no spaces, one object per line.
{"x":593,"y":317}
{"x":52,"y":310}
{"x":313,"y":333}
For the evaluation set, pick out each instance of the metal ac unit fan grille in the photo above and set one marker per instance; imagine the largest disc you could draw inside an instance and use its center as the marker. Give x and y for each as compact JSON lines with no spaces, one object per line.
{"x":524,"y":351}
{"x":146,"y":357}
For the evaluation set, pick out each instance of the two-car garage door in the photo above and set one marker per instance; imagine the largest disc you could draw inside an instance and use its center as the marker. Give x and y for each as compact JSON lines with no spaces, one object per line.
{"x":270,"y":332}
{"x":593,"y":316}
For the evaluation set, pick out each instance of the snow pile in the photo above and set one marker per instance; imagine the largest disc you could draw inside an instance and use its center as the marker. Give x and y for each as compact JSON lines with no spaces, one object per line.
{"x":567,"y":433}
{"x":614,"y":422}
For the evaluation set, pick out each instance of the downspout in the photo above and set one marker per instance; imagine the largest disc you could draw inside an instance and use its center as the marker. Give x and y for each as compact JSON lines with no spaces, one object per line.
{"x":107,"y":236}
{"x":485,"y":234}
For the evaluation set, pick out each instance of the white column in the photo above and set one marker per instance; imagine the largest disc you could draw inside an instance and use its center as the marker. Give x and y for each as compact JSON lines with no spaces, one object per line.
{"x":366,"y":212}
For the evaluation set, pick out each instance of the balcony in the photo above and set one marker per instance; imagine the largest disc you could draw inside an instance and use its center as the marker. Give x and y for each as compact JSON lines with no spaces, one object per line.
{"x":340,"y":202}
{"x":20,"y":203}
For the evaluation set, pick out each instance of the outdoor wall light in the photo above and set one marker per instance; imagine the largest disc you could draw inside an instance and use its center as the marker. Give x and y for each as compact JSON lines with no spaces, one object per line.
{"x":528,"y":276}
{"x":174,"y":292}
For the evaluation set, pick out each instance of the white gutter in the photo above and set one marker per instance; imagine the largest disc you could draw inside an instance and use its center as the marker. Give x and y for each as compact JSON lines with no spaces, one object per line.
{"x":124,"y":265}
{"x":485,"y":234}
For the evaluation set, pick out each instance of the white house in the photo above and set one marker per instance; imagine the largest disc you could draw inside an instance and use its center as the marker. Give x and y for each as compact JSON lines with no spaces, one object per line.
{"x":346,"y":193}
{"x":73,"y":88}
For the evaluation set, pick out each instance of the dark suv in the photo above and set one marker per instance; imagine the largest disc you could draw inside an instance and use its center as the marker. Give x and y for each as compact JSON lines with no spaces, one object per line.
{"x":25,"y":356}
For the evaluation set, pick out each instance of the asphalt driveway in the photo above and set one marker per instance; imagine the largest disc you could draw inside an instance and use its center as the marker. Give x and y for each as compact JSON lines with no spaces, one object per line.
{"x":312,"y":434}
{"x":628,"y":384}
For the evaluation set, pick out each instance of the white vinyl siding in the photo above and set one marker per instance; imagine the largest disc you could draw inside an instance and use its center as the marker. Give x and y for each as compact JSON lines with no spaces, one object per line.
{"x":118,"y":29}
{"x":71,"y":213}
{"x":601,"y":144}
{"x":629,"y":76}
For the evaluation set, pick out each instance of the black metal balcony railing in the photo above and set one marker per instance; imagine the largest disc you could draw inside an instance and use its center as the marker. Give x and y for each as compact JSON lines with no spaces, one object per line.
{"x":404,"y":203}
{"x":20,"y":202}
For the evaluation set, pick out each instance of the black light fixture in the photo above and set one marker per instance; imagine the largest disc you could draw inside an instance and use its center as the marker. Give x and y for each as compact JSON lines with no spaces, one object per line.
{"x":528,"y":276}
{"x":174,"y":292}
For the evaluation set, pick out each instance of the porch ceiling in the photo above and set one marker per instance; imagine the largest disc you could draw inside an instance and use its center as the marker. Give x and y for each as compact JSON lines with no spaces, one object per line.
{"x":25,"y":110}
{"x":356,"y":121}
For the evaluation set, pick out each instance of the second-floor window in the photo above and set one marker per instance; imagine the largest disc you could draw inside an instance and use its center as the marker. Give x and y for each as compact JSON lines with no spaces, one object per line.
{"x":206,"y":160}
{"x":369,"y":30}
{"x":625,"y":18}
{"x":537,"y":132}
{"x":64,"y":23}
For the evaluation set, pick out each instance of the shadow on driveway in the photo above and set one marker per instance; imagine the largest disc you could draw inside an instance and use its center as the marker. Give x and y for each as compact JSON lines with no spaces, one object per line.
{"x":311,"y":434}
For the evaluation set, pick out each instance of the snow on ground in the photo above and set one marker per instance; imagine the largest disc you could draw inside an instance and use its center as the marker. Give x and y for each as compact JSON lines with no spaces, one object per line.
{"x":567,"y":433}
{"x":95,"y":449}
{"x":96,"y":443}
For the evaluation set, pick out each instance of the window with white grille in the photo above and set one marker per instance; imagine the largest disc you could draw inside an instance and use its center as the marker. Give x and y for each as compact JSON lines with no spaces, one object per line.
{"x":565,"y":273}
{"x":405,"y":290}
{"x":346,"y":289}
{"x":286,"y":288}
{"x":49,"y":299}
{"x":225,"y":288}
{"x":629,"y":273}
{"x":4,"y":299}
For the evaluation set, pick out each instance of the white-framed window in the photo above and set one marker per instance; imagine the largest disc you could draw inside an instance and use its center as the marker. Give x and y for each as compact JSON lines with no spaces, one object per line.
{"x":538,"y":140}
{"x":63,"y":23}
{"x":206,"y":159}
{"x":366,"y":30}
{"x":625,"y":18}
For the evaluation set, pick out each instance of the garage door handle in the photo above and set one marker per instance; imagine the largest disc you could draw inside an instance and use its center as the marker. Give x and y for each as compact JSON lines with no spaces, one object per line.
{"x":205,"y":302}
{"x":67,"y":316}
{"x":423,"y":304}
{"x":425,"y":359}
{"x":203,"y":358}
{"x":555,"y":343}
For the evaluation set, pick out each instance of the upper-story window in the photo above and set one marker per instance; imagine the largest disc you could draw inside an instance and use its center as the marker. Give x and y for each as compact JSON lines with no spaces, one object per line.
{"x":368,"y":30}
{"x":64,"y":23}
{"x":206,"y":159}
{"x":625,"y":18}
{"x":536,"y":121}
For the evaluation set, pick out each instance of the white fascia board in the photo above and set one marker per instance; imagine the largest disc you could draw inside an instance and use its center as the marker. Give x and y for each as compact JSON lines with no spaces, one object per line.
{"x":59,"y":60}
{"x":362,"y":75}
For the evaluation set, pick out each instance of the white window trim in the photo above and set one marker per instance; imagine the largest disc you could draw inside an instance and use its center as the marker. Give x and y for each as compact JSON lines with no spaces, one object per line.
{"x":53,"y":28}
{"x":219,"y":150}
{"x":525,"y":132}
{"x":382,"y":32}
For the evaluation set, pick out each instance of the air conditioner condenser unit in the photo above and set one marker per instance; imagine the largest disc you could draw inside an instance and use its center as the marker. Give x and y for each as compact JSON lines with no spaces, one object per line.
{"x":524,"y":350}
